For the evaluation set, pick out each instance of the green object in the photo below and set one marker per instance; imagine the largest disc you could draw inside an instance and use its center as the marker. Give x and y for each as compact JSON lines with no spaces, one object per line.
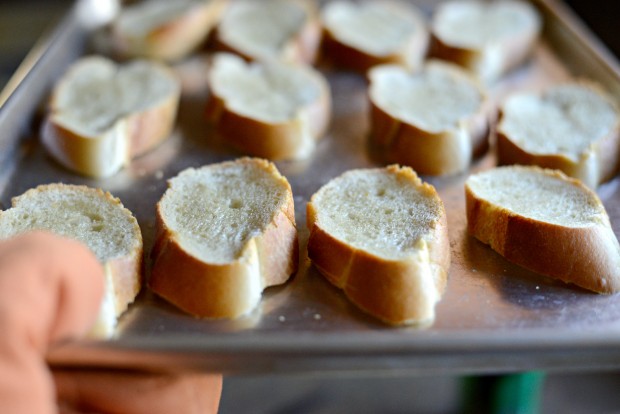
{"x":504,"y":394}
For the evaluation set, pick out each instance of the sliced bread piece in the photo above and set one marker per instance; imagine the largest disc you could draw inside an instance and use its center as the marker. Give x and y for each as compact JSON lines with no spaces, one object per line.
{"x":433,"y":120}
{"x":225,"y":232}
{"x":288,"y":30}
{"x":96,"y":219}
{"x":546,"y":222}
{"x":573,"y":127}
{"x":362,"y":35}
{"x":103,"y":115}
{"x":381,"y":236}
{"x":166,"y":30}
{"x":274,"y":110}
{"x":488,"y":38}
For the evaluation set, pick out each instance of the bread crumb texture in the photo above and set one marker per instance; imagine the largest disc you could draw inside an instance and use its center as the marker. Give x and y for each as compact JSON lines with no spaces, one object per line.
{"x":271,"y":92}
{"x":96,"y":93}
{"x":436,"y":98}
{"x":380,"y":28}
{"x":215,"y":210}
{"x":263,"y":29}
{"x":382,"y":211}
{"x":478,"y":24}
{"x":543,"y":195}
{"x":88,"y":215}
{"x":565,"y":119}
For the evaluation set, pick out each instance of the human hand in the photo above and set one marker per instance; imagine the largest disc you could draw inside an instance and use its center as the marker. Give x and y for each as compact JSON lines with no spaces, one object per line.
{"x":51,"y":290}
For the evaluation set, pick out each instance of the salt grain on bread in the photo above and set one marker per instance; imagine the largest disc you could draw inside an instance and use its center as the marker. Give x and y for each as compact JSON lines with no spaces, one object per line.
{"x":288,"y":30}
{"x":546,"y":222}
{"x":362,"y":35}
{"x":434,"y":119}
{"x":381,"y":236}
{"x":573,"y":127}
{"x":96,"y":219}
{"x":225,"y":232}
{"x":102,"y":115}
{"x":488,"y":38}
{"x":274,"y":110}
{"x":166,"y":30}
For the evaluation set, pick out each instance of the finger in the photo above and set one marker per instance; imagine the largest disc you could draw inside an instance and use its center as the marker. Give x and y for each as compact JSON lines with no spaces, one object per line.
{"x":138,"y":393}
{"x":50,"y":288}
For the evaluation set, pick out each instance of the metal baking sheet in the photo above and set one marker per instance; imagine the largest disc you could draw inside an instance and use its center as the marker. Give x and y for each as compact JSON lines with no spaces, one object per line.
{"x":493,"y":317}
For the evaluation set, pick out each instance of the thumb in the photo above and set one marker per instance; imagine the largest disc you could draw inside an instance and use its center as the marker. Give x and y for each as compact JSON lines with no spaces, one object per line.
{"x":50,"y":289}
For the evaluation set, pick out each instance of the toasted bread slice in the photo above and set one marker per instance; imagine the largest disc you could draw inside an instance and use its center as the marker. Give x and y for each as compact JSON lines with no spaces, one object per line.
{"x":433,"y":120}
{"x":381,"y":236}
{"x":96,"y":219}
{"x":573,"y":127}
{"x":288,"y":30}
{"x":225,"y":232}
{"x":273,"y":110}
{"x":360,"y":36}
{"x":166,"y":30}
{"x":546,"y":222}
{"x":102,"y":115}
{"x":488,"y":38}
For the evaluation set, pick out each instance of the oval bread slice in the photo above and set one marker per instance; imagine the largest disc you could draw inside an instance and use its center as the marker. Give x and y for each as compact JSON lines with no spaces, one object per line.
{"x":103,"y":115}
{"x":573,"y":127}
{"x":381,"y":236}
{"x":360,"y":36}
{"x":273,"y":110}
{"x":225,"y":232}
{"x":433,"y":120}
{"x":96,"y":219}
{"x":166,"y":30}
{"x":546,"y":222}
{"x":488,"y":38}
{"x":287,"y":30}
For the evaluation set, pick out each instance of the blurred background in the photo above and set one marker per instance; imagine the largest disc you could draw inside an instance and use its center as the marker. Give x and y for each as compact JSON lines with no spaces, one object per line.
{"x":23,"y":22}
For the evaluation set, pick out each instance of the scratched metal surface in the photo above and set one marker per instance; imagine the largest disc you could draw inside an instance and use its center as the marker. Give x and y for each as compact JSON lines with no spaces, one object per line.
{"x":494,"y":316}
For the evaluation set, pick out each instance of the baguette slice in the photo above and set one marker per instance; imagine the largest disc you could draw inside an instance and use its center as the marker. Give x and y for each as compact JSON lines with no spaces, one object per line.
{"x":434,"y":120}
{"x":273,"y":110}
{"x":96,"y":219}
{"x":381,"y":236}
{"x":225,"y":232}
{"x":360,"y":36}
{"x":546,"y":222}
{"x":103,"y":115}
{"x":288,"y":30}
{"x":166,"y":30}
{"x":488,"y":38}
{"x":573,"y":127}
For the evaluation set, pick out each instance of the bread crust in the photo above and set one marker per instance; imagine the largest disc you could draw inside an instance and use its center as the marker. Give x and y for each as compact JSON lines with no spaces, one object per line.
{"x":105,"y":153}
{"x":123,"y":274}
{"x":430,"y":153}
{"x":294,"y":138}
{"x":513,"y":52}
{"x":600,"y":162}
{"x":348,"y":57}
{"x":588,"y":257}
{"x":233,"y":289}
{"x":388,"y":289}
{"x":174,"y":39}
